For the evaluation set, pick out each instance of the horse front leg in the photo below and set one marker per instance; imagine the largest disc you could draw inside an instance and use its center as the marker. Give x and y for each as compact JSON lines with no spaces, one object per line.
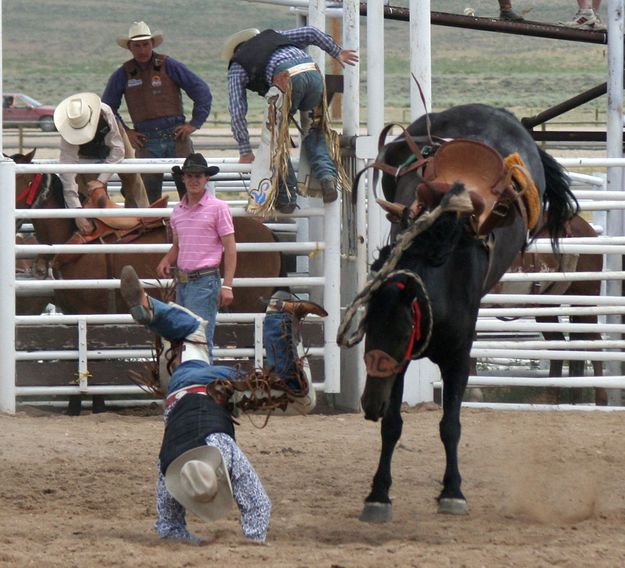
{"x":451,"y":500}
{"x":378,"y":506}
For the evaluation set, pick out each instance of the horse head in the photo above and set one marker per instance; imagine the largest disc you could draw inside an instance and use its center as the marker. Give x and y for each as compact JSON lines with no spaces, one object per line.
{"x":397,"y":327}
{"x":27,"y":186}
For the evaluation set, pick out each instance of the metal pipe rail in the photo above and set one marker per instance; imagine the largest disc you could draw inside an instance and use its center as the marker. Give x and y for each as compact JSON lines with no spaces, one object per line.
{"x":114,"y":390}
{"x":543,"y":407}
{"x":552,"y":299}
{"x":549,"y":354}
{"x":102,"y":354}
{"x":543,"y":344}
{"x":550,"y":382}
{"x":44,"y":285}
{"x":106,"y":248}
{"x":149,"y":213}
{"x":527,"y":326}
{"x":556,"y":311}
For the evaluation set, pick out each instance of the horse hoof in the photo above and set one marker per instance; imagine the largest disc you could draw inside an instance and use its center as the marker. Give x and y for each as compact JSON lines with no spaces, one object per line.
{"x":74,"y":406}
{"x":377,"y":513}
{"x":453,"y":506}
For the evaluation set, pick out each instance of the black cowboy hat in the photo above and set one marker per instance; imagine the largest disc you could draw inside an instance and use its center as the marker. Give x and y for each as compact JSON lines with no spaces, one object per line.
{"x":195,"y":164}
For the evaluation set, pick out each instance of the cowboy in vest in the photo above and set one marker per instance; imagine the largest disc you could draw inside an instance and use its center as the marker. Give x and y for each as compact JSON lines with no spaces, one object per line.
{"x":151,"y":83}
{"x":275,"y":65}
{"x":201,"y":468}
{"x":90,"y":134}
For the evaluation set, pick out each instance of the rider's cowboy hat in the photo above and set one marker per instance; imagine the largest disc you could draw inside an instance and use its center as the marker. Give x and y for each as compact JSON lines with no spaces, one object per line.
{"x":76,"y":117}
{"x":199,"y":481}
{"x":235,"y":40}
{"x":138,"y":32}
{"x":195,"y":164}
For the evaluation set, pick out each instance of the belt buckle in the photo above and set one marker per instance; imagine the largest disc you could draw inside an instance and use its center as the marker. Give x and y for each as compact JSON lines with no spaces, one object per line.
{"x":182,"y":277}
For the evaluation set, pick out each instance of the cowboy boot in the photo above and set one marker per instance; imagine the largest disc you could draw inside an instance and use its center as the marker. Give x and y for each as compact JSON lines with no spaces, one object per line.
{"x":285,"y":351}
{"x":283,"y":301}
{"x":134,"y":295}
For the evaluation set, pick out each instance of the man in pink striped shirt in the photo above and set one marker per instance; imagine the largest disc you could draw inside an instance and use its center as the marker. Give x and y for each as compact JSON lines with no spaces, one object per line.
{"x":203,"y":233}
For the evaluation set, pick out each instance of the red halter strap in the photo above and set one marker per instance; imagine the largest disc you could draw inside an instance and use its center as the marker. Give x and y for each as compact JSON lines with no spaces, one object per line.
{"x":416,"y":324}
{"x":29,"y":193}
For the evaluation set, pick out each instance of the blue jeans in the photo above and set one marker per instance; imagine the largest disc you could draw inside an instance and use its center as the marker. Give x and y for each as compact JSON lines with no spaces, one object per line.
{"x":161,"y":146}
{"x":175,"y":324}
{"x":307,"y":93}
{"x":281,"y":347}
{"x":201,"y":296}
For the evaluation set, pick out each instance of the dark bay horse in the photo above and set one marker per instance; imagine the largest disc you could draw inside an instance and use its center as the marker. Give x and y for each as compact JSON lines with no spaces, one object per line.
{"x":428,"y":305}
{"x":577,"y":226}
{"x":46,"y":192}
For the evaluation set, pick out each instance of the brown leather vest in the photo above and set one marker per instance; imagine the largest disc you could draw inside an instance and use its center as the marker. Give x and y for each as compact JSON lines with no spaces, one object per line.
{"x":151,"y":93}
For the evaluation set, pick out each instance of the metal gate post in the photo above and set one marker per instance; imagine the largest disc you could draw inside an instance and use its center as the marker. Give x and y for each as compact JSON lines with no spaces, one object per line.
{"x":7,"y":286}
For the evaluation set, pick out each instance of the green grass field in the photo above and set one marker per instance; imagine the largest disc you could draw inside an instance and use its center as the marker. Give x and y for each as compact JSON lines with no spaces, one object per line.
{"x":53,"y":48}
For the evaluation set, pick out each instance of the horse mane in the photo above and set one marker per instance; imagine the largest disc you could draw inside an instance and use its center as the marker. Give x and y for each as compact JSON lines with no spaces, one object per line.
{"x":54,"y":191}
{"x":433,"y":245}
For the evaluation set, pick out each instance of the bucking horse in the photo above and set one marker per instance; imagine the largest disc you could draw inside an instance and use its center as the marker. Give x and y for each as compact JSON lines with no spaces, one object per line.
{"x":464,"y":189}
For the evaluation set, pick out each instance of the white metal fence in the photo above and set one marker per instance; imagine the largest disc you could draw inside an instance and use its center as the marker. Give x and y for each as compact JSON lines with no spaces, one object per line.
{"x":328,"y":281}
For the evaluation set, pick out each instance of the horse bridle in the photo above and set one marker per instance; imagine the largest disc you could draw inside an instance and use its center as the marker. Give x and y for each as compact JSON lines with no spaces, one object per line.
{"x":378,"y":362}
{"x":30,"y":193}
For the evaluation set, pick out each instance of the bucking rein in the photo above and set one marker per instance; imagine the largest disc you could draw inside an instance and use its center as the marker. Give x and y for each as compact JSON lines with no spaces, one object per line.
{"x":490,"y":186}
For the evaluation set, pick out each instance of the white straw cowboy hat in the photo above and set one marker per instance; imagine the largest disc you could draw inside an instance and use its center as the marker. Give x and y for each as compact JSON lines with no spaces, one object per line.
{"x":76,"y":117}
{"x":199,"y":481}
{"x":236,"y":39}
{"x":139,"y":31}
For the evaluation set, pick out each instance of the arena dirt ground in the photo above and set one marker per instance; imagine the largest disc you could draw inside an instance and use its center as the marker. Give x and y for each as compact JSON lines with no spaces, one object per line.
{"x":544,"y":489}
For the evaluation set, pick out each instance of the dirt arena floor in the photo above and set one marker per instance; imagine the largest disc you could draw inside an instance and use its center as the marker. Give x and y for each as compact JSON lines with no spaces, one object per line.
{"x":544,"y":489}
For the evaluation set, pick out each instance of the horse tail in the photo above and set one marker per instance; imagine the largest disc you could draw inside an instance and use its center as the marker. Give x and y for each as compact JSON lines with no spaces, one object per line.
{"x":559,"y":203}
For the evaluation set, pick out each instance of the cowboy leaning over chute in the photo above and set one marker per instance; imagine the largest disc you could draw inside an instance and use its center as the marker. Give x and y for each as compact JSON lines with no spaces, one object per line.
{"x":275,"y":65}
{"x":90,"y":134}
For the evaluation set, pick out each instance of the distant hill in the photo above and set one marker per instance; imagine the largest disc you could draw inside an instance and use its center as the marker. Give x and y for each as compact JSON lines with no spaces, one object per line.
{"x":53,"y":48}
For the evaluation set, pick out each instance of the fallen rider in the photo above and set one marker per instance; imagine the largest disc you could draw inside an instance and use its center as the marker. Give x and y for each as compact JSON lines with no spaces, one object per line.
{"x":201,"y":467}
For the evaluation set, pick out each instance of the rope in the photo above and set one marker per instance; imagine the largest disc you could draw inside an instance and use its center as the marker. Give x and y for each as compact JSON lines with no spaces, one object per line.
{"x":458,"y":200}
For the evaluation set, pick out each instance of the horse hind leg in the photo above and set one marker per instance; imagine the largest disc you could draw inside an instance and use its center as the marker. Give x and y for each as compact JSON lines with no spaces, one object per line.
{"x":378,"y":507}
{"x":553,"y":394}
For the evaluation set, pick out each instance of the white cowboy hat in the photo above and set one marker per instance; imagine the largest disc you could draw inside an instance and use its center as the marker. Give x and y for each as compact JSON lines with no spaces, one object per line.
{"x":234,"y":40}
{"x":199,"y":481}
{"x":139,"y":31}
{"x":76,"y":117}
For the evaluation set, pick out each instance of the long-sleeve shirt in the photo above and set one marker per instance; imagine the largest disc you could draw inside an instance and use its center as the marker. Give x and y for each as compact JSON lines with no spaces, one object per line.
{"x":196,"y":88}
{"x":69,"y":155}
{"x":238,"y":79}
{"x":247,"y":490}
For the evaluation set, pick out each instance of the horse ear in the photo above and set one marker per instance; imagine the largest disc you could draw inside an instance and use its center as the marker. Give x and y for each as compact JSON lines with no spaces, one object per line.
{"x":29,"y":157}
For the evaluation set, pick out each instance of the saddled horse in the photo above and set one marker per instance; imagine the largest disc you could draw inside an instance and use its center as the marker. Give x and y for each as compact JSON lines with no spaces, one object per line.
{"x":46,"y":192}
{"x":462,"y":215}
{"x":577,"y":226}
{"x":49,"y":195}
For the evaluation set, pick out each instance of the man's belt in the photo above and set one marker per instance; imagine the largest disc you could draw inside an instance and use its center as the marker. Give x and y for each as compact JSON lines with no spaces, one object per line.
{"x":177,"y":395}
{"x":301,"y":68}
{"x":184,"y":277}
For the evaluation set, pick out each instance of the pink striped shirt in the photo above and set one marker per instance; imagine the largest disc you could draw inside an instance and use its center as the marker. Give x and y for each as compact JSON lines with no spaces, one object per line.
{"x":199,"y":230}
